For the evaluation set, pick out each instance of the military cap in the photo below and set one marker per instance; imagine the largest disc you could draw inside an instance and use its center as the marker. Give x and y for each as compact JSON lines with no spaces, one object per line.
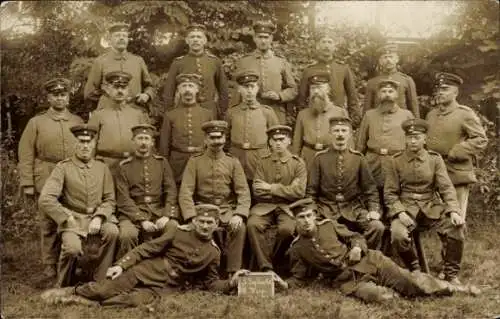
{"x":415,"y":126}
{"x":388,"y":48}
{"x":215,"y":128}
{"x":279,"y":130}
{"x":143,"y":129}
{"x":388,"y":82}
{"x":119,"y":78}
{"x":318,"y":77}
{"x":188,"y":77}
{"x":57,"y":85}
{"x":444,"y":79}
{"x":340,"y":120}
{"x":246,"y":76}
{"x":264,"y":27}
{"x":196,"y":27}
{"x":302,"y":205}
{"x":207,"y":210}
{"x":119,"y":26}
{"x":84,"y":130}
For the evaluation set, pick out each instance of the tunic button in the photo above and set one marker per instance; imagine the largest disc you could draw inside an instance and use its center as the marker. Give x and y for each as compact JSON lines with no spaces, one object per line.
{"x":190,"y":132}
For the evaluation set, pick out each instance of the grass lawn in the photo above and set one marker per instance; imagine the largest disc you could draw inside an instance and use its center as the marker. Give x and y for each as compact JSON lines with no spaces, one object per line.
{"x":21,"y":297}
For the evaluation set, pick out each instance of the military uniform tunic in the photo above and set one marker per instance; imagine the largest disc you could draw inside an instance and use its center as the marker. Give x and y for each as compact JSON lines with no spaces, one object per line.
{"x":181,"y":136}
{"x":140,"y":82}
{"x":248,"y":126}
{"x":312,"y":132}
{"x":275,"y":74}
{"x":407,"y":92}
{"x":342,"y":83}
{"x":213,"y":93}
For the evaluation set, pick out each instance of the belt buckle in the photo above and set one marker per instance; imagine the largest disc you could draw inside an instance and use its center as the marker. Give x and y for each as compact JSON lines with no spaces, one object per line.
{"x":126,"y":154}
{"x":339,"y":197}
{"x":217,"y":201}
{"x":190,"y":148}
{"x":246,"y":146}
{"x":90,"y":210}
{"x":384,"y":151}
{"x":416,"y":196}
{"x":318,"y":146}
{"x":148,"y":199}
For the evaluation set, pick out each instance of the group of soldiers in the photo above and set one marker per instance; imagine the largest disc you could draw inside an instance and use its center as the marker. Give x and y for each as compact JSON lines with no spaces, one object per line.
{"x":161,"y":216}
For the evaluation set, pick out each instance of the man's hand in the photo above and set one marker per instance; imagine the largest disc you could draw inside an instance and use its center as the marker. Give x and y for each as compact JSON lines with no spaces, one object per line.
{"x":29,"y":190}
{"x":262,"y":186}
{"x":162,"y":222}
{"x":280,"y":282}
{"x":235,"y":222}
{"x":95,"y":225}
{"x":405,"y":219}
{"x":271,"y":95}
{"x":233,"y":282}
{"x":355,"y":255}
{"x":71,"y":222}
{"x":114,"y":271}
{"x":456,"y":219}
{"x":142,"y":98}
{"x":148,"y":226}
{"x":373,"y":215}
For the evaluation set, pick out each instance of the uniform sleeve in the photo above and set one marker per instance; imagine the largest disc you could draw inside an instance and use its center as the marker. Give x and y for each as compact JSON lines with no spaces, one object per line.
{"x":313,"y":181}
{"x":411,"y":98}
{"x":362,"y":135}
{"x":303,"y":90}
{"x":147,"y":250}
{"x":92,"y":90}
{"x":241,"y":190}
{"x":107,"y":206}
{"x":272,"y":118}
{"x":170,"y":86}
{"x":48,"y":202}
{"x":475,"y":141}
{"x":298,"y":135}
{"x":369,"y":186}
{"x":350,"y":238}
{"x":392,"y":190}
{"x":369,"y":96}
{"x":144,"y":118}
{"x":296,"y":189}
{"x":187,"y":189}
{"x":126,"y":205}
{"x":290,"y":87}
{"x":352,"y":97}
{"x":27,"y":154}
{"x":94,"y":120}
{"x":445,"y":187}
{"x":147,"y":81}
{"x":171,"y":207}
{"x":165,"y":136}
{"x":260,"y":175}
{"x":298,"y":270}
{"x":223,"y":90}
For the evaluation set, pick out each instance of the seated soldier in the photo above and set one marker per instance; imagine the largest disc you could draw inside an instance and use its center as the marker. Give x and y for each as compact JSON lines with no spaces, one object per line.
{"x":184,"y":258}
{"x":279,"y":180}
{"x":146,"y":195}
{"x":79,"y":196}
{"x":341,"y":184}
{"x":414,"y":179}
{"x":330,"y":249}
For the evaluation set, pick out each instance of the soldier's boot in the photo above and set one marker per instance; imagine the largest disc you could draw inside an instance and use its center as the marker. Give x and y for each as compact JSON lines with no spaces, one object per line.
{"x":452,"y":257}
{"x":410,"y":259}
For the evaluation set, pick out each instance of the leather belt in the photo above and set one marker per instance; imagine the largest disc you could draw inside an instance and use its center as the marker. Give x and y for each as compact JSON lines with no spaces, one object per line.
{"x":49,"y":160}
{"x":80,"y":210}
{"x":114,"y":154}
{"x":145,"y":199}
{"x":417,"y":196}
{"x":341,"y":198}
{"x":316,"y":147}
{"x":188,"y":149}
{"x":383,"y":151}
{"x":248,"y":146}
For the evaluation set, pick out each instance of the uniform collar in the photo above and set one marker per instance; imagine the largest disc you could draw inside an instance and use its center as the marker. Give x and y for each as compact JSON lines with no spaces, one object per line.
{"x":196,"y":55}
{"x":283,"y":159}
{"x":325,"y":60}
{"x":64,"y":116}
{"x":448,"y":109}
{"x":394,"y":109}
{"x":254,"y":106}
{"x":420,"y":156}
{"x":219,"y":155}
{"x":119,"y":55}
{"x":269,"y":54}
{"x":142,"y":158}
{"x":81,"y":164}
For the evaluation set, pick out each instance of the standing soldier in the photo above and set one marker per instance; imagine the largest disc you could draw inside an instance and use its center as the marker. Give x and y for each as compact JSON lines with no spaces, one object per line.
{"x":146,"y":195}
{"x":46,"y":140}
{"x":276,"y":81}
{"x":414,"y":179}
{"x":342,"y":186}
{"x":342,"y":83}
{"x":388,"y":65}
{"x":216,"y":178}
{"x":380,"y":134}
{"x":280,"y":179}
{"x":119,"y":59}
{"x":181,"y":135}
{"x":79,"y":196}
{"x":213,"y":92}
{"x":456,"y":133}
{"x":114,"y":123}
{"x":248,"y":124}
{"x":312,"y":128}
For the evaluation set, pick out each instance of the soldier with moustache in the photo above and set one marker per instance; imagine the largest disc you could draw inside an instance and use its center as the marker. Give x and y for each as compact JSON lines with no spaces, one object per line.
{"x":181,"y":135}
